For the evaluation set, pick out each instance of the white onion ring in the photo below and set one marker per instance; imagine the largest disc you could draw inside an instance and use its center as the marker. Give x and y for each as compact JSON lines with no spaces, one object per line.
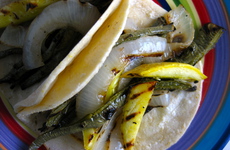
{"x":58,"y":15}
{"x":14,"y":36}
{"x":163,"y":99}
{"x":183,"y":36}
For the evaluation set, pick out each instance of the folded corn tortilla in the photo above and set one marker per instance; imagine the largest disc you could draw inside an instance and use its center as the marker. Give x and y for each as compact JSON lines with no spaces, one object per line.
{"x":27,"y":103}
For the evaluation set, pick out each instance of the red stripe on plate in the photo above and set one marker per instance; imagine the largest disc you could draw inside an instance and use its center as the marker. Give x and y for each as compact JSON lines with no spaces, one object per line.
{"x":156,"y":1}
{"x":202,"y":11}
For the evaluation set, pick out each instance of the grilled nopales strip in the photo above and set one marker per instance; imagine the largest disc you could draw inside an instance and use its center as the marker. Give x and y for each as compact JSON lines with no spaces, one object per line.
{"x":155,"y":30}
{"x":10,"y":51}
{"x":167,"y":84}
{"x":60,"y":115}
{"x":207,"y":37}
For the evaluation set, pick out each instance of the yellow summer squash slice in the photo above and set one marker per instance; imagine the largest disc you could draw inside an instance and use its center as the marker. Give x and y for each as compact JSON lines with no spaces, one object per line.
{"x":133,"y":111}
{"x":172,"y":70}
{"x":22,"y":11}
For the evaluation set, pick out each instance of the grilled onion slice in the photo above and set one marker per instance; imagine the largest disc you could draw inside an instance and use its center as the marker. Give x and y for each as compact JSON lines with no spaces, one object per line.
{"x":58,"y":15}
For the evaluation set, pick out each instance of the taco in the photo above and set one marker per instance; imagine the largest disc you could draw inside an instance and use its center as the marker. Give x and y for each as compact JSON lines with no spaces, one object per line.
{"x":132,"y":33}
{"x":108,"y":24}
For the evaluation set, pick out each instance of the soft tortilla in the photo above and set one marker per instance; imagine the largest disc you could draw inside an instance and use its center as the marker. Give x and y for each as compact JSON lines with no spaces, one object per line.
{"x":36,"y":97}
{"x":142,"y":13}
{"x":78,"y":71}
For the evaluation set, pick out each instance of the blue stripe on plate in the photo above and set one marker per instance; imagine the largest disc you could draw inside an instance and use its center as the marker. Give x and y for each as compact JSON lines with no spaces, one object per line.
{"x":227,"y":4}
{"x":9,"y":140}
{"x":164,"y":4}
{"x":217,"y":133}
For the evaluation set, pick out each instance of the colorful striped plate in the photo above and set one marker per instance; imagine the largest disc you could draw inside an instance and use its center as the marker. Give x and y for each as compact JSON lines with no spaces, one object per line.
{"x":210,"y":128}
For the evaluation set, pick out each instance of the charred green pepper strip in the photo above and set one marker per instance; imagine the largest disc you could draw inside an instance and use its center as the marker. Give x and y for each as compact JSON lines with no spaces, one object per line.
{"x":174,"y":85}
{"x":57,"y":114}
{"x":94,"y":120}
{"x":18,"y":65}
{"x":13,"y":75}
{"x":54,"y":43}
{"x":68,"y":117}
{"x":166,"y":84}
{"x":159,"y":21}
{"x":150,"y":31}
{"x":18,"y":71}
{"x":43,"y":71}
{"x":59,"y":42}
{"x":7,"y":78}
{"x":207,"y":37}
{"x":16,"y":75}
{"x":10,"y":51}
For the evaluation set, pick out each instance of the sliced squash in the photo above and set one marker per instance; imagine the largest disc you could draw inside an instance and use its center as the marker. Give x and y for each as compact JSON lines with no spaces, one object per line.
{"x":172,"y":70}
{"x":133,"y":111}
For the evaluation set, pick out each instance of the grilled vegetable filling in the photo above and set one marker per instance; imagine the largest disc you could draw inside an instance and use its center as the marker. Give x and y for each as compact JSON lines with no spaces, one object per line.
{"x":210,"y":32}
{"x":63,"y":40}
